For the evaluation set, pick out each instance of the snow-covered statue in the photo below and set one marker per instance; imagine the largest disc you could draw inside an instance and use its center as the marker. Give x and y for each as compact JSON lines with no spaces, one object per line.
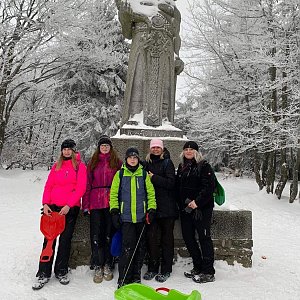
{"x":154,"y":63}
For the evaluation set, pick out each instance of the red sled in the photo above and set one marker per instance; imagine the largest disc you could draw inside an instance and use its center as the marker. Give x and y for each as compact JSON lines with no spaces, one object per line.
{"x":51,"y":227}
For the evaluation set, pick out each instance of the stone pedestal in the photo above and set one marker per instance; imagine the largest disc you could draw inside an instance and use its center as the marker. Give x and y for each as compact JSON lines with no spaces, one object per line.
{"x":231,"y":233}
{"x":142,"y":143}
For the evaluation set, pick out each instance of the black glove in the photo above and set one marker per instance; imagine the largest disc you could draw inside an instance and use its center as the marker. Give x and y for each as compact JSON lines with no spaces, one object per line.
{"x":116,"y":218}
{"x":150,"y":216}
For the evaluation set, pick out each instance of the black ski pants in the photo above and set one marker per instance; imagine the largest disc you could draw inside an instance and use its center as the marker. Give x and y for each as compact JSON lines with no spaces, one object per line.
{"x":101,"y":231}
{"x":160,"y":245}
{"x":131,"y":232}
{"x":202,"y":253}
{"x":64,"y":248}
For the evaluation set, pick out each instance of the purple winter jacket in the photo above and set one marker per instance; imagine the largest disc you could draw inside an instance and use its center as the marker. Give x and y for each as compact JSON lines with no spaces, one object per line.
{"x":98,"y":184}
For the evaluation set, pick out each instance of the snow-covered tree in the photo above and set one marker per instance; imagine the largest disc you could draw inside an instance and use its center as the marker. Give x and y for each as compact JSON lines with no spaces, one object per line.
{"x":244,"y":67}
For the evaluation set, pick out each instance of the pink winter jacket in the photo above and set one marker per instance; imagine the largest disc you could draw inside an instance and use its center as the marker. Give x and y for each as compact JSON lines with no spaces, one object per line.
{"x":98,"y":184}
{"x":65,"y":186}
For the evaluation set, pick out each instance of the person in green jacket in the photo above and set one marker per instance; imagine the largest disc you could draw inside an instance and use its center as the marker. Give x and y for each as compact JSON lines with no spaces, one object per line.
{"x":132,"y":204}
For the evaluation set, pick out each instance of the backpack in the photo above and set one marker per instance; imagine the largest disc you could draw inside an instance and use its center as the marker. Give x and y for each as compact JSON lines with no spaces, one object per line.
{"x":219,"y":192}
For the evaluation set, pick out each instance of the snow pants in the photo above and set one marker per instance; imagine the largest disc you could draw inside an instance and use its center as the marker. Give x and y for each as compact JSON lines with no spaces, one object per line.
{"x":130,"y":236}
{"x":202,"y":253}
{"x":101,"y":231}
{"x":160,"y":245}
{"x":64,"y":246}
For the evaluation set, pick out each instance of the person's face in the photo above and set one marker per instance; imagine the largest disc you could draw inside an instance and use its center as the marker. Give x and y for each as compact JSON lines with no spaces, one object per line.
{"x":156,"y":150}
{"x":189,"y":153}
{"x":67,"y":152}
{"x":132,"y":161}
{"x":104,"y":148}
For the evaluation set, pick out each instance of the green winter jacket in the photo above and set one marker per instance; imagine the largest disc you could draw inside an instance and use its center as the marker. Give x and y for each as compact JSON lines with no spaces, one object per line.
{"x":135,"y":196}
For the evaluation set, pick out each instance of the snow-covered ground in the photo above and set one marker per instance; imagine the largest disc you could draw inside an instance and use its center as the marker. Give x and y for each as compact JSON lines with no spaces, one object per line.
{"x":276,"y":259}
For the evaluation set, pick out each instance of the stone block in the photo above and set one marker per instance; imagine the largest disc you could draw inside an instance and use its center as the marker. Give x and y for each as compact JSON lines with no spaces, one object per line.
{"x":231,"y":233}
{"x":174,"y":146}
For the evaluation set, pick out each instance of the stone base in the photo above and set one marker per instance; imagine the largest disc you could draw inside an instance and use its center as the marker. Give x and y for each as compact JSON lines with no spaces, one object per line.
{"x":231,"y":233}
{"x":151,"y":132}
{"x":174,"y":146}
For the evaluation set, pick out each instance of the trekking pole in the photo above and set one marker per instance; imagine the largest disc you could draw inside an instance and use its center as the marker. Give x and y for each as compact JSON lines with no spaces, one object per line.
{"x":133,"y":254}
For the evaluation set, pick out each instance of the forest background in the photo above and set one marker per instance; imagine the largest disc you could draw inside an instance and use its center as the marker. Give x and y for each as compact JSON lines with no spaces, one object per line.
{"x":63,"y":71}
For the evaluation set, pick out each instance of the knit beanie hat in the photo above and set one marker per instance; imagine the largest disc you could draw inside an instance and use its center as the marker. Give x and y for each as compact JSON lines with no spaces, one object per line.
{"x":104,"y":139}
{"x":132,"y":151}
{"x":191,"y":144}
{"x":69,"y":143}
{"x":156,"y":143}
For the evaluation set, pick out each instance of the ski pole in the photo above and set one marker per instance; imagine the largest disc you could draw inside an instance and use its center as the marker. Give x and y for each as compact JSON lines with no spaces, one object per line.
{"x":133,"y":254}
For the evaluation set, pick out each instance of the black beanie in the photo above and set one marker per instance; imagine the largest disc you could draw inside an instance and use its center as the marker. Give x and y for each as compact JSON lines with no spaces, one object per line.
{"x":69,"y":143}
{"x":132,"y":152}
{"x":191,"y":144}
{"x":104,"y":139}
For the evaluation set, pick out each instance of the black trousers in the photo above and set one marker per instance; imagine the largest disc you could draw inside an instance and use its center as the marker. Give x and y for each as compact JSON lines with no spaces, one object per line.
{"x":202,"y":253}
{"x":101,"y":231}
{"x":160,"y":245}
{"x":64,"y":247}
{"x":130,"y":236}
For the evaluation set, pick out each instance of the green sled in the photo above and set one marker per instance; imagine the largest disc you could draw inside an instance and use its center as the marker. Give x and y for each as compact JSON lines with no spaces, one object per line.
{"x":136,"y":291}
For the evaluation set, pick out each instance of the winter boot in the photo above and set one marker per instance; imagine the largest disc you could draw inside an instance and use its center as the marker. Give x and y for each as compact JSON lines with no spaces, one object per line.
{"x":39,"y":282}
{"x":98,"y":277}
{"x":162,"y":277}
{"x":63,"y":279}
{"x":191,"y":273}
{"x":202,"y":278}
{"x":149,"y":275}
{"x":107,"y":273}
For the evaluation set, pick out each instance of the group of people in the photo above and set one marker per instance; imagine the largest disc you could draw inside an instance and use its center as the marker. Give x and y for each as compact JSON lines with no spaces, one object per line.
{"x":141,"y":199}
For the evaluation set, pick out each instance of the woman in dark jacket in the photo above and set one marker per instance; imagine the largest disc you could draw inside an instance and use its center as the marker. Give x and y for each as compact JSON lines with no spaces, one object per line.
{"x":160,"y":238}
{"x":195,"y":183}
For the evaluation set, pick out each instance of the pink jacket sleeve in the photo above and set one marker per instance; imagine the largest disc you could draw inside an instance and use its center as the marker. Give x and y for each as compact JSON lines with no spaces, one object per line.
{"x":48,"y":186}
{"x":80,"y":186}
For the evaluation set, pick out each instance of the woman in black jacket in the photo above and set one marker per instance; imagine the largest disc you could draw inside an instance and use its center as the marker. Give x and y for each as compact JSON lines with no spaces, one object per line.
{"x":195,"y":183}
{"x":160,"y":238}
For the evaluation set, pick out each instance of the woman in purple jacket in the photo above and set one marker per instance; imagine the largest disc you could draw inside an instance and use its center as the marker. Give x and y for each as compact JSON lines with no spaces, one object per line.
{"x":101,"y":170}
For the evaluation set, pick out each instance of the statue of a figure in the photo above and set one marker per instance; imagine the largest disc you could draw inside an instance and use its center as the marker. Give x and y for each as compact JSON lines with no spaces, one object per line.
{"x":154,"y":61}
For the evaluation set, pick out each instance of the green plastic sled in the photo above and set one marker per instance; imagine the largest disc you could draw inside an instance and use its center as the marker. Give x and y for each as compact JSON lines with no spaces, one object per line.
{"x":136,"y":291}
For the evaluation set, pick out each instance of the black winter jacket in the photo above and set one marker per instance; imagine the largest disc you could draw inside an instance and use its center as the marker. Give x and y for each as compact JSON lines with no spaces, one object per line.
{"x":196,"y":182}
{"x":163,"y":181}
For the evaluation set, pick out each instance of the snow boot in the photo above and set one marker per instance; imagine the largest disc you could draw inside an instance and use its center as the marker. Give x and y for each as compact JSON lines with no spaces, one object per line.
{"x":98,"y":277}
{"x":63,"y":279}
{"x":202,"y":278}
{"x":39,"y":282}
{"x":191,"y":273}
{"x":107,"y":273}
{"x":149,"y":275}
{"x":162,"y":277}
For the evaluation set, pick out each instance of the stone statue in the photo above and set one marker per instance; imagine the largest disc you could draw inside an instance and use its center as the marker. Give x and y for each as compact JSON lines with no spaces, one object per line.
{"x":154,"y":61}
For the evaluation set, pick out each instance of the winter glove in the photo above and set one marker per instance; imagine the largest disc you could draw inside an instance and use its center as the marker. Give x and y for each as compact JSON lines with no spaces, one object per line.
{"x":116,"y":218}
{"x":150,"y":216}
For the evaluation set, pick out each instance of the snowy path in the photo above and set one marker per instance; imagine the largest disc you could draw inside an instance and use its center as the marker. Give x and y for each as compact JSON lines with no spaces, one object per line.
{"x":276,"y":235}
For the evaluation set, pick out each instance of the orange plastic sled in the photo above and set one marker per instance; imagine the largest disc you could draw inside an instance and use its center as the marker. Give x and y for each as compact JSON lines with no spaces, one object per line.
{"x":51,"y":227}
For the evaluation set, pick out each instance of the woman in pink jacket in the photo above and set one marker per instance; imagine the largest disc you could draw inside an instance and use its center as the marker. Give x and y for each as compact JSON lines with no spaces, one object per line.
{"x":63,"y":190}
{"x":101,"y":170}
